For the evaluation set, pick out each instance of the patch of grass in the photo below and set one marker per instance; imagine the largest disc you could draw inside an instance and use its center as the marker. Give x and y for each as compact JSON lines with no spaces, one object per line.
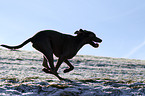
{"x":19,"y":59}
{"x":142,"y":81}
{"x":27,"y":79}
{"x":130,"y":81}
{"x":107,"y":79}
{"x":123,"y":82}
{"x":60,"y":86}
{"x":76,"y":74}
{"x":93,"y":80}
{"x":88,"y":80}
{"x":137,"y":86}
{"x":10,"y":80}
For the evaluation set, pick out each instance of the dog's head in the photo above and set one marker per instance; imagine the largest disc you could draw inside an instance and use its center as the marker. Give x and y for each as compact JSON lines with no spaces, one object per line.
{"x":89,"y":37}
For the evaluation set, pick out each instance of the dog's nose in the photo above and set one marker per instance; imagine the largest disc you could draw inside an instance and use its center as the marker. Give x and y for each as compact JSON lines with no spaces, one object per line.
{"x":100,"y":40}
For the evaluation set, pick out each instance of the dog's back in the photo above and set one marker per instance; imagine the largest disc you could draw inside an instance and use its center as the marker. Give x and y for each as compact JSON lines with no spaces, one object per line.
{"x":57,"y":40}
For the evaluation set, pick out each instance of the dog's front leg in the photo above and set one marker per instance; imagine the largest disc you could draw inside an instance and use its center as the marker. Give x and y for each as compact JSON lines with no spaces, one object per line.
{"x":70,"y":65}
{"x":48,"y":70}
{"x":60,"y":60}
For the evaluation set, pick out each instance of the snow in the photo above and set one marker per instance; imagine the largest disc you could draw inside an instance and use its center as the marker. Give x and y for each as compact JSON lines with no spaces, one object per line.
{"x":21,"y":75}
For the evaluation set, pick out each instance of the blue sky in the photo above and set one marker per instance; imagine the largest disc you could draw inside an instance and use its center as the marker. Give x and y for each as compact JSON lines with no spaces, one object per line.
{"x":120,"y":23}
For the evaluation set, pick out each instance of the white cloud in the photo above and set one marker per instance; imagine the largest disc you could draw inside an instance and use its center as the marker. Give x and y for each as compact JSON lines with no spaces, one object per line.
{"x":135,"y":49}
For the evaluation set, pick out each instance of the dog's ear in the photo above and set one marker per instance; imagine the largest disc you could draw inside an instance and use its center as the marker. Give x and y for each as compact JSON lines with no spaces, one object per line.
{"x":79,"y":32}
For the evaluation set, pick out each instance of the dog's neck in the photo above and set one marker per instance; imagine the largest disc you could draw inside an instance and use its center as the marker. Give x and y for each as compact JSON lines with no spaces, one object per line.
{"x":80,"y":42}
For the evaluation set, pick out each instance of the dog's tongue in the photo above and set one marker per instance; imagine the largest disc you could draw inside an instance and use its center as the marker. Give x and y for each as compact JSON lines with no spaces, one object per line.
{"x":96,"y":44}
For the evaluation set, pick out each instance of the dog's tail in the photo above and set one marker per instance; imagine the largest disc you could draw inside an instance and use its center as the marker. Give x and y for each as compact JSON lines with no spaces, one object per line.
{"x":17,"y":47}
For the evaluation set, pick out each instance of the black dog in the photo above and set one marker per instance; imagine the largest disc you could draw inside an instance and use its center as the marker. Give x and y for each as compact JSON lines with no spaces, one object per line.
{"x":64,"y":47}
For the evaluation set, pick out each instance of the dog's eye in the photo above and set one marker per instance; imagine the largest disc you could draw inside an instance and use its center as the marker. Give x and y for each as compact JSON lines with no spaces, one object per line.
{"x":92,"y":35}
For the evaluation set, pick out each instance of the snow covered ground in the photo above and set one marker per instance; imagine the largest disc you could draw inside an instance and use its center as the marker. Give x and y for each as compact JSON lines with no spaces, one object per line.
{"x":20,"y":74}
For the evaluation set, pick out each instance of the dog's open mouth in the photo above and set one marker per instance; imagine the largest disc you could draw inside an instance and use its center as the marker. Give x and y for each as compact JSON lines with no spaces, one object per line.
{"x":95,"y":44}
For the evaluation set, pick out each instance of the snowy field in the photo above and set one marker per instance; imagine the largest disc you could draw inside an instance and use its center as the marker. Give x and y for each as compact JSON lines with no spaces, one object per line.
{"x":21,"y":75}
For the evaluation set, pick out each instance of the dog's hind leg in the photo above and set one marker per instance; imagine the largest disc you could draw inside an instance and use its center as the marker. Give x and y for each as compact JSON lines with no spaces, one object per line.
{"x":45,"y":63}
{"x":70,"y":65}
{"x":44,"y":46}
{"x":46,"y":69}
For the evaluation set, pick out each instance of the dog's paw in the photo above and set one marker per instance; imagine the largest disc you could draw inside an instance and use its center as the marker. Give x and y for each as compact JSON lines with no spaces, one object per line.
{"x":47,"y":71}
{"x":67,"y":70}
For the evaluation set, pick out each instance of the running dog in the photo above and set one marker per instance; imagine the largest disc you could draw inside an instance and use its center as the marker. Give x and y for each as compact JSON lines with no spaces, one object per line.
{"x":63,"y":46}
